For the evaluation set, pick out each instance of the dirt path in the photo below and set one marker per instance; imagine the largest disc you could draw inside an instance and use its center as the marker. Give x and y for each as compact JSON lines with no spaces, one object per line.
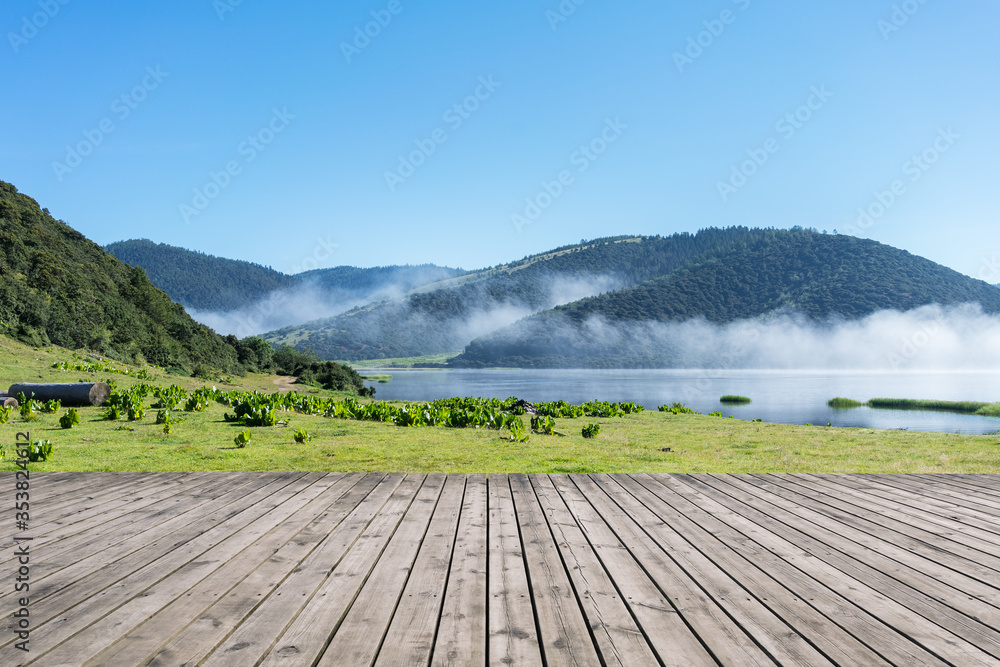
{"x":284,"y":383}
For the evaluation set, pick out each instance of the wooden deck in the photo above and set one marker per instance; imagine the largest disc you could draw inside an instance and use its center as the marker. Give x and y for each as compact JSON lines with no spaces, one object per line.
{"x":409,"y":569}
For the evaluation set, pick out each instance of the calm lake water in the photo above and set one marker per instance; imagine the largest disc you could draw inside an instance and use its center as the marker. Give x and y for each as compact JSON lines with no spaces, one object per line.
{"x":790,"y":397}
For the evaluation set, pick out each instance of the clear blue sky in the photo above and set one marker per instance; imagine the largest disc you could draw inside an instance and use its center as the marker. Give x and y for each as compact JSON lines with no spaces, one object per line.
{"x":200,"y":78}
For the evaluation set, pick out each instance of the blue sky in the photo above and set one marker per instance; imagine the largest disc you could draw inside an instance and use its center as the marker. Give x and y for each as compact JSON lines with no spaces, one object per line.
{"x":286,"y":136}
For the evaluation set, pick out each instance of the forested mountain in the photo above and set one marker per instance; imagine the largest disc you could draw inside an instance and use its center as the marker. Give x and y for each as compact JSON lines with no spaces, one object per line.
{"x":446,"y":316}
{"x":801,"y":271}
{"x":198,"y":280}
{"x":58,"y":287}
{"x":209,"y":283}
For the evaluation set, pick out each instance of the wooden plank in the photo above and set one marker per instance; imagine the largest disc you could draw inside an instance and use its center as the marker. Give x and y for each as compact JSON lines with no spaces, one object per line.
{"x":787,"y":591}
{"x":248,"y":602}
{"x":913,"y":519}
{"x":564,"y":636}
{"x":779,"y":639}
{"x":308,"y":634}
{"x":75,"y":580}
{"x":846,"y":532}
{"x":722,"y":636}
{"x":102,"y":619}
{"x":933,"y":510}
{"x":70,"y":536}
{"x":121,"y":579}
{"x":461,"y":633}
{"x":410,"y":637}
{"x":513,"y":635}
{"x":617,"y":635}
{"x":233,"y":589}
{"x":900,"y":634}
{"x":358,"y":639}
{"x":965,"y":502}
{"x":52,"y":523}
{"x":255,"y":633}
{"x":674,"y":642}
{"x":825,"y":588}
{"x":248,"y":546}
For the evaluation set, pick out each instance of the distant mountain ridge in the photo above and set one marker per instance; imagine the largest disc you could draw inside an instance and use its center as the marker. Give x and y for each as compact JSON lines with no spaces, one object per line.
{"x":446,"y":316}
{"x":801,"y":271}
{"x":209,"y":283}
{"x":199,"y":280}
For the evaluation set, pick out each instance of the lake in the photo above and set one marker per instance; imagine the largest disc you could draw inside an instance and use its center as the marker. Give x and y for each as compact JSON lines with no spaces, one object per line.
{"x":789,"y":397}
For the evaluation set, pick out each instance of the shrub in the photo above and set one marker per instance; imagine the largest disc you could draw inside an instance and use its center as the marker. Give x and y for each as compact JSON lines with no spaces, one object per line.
{"x":29,"y":410}
{"x":676,"y":408}
{"x":40,"y":451}
{"x":242,"y":438}
{"x":70,"y":419}
{"x":841,"y":403}
{"x":591,"y":430}
{"x":301,"y":436}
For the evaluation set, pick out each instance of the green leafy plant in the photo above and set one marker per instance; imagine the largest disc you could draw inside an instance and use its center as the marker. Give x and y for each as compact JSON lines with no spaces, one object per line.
{"x":301,"y":436}
{"x":5,"y":415}
{"x":39,"y":451}
{"x":29,"y":410}
{"x":136,"y":413}
{"x":543,"y":424}
{"x":112,"y":413}
{"x":70,"y":419}
{"x":841,"y":403}
{"x":52,"y":407}
{"x":242,"y":438}
{"x":591,"y":430}
{"x":676,"y":408}
{"x":516,"y":427}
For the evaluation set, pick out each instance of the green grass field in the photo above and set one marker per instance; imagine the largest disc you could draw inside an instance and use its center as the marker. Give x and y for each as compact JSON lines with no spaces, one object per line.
{"x":649,"y":441}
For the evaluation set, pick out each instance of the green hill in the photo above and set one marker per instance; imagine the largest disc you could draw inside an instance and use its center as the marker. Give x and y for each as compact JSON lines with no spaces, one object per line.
{"x":58,"y":287}
{"x":197,"y":280}
{"x":445,"y":316}
{"x":817,"y":275}
{"x":209,"y":283}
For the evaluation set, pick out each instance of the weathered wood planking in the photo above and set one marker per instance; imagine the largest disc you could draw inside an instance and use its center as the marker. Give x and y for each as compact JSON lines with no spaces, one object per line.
{"x":431,"y":569}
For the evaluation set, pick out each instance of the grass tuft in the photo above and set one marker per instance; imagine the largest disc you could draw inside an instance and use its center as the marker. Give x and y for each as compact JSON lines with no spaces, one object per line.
{"x":734,"y":399}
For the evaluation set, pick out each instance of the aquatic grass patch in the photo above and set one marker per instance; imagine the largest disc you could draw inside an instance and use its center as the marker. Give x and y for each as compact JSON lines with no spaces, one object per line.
{"x":734,"y":399}
{"x":841,"y":403}
{"x":964,"y":407}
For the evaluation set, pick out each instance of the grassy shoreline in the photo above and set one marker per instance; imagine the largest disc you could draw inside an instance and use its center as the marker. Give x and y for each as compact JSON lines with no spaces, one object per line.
{"x":648,"y":441}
